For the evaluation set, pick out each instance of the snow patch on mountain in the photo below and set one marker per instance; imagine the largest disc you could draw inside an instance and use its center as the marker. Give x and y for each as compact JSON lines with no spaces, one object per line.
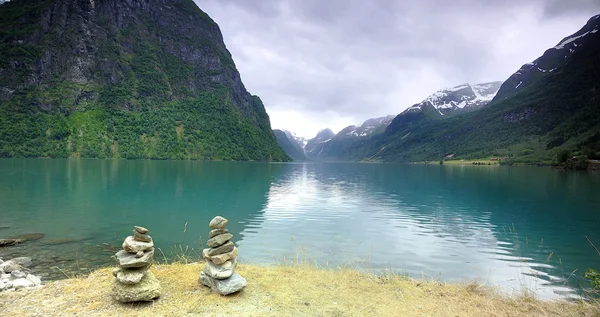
{"x":459,"y":97}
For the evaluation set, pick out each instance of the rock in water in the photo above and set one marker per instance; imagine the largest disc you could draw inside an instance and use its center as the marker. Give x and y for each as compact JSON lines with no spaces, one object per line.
{"x":146,"y":290}
{"x":10,"y":266}
{"x":224,"y":287}
{"x":218,"y":222}
{"x":10,"y":242}
{"x":219,"y":240}
{"x":220,"y":272}
{"x":22,"y":261}
{"x":132,"y":246}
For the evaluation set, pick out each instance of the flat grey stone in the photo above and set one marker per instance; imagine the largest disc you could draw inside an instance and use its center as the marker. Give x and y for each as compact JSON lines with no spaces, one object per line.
{"x":218,"y":222}
{"x":132,"y":246}
{"x":131,"y":276}
{"x":22,"y":261}
{"x":225,"y":248}
{"x":17,"y":274}
{"x":141,"y":236}
{"x":219,"y":240}
{"x":146,"y":290}
{"x":216,"y":232}
{"x":221,"y":258}
{"x":220,"y":272}
{"x":34,"y":279}
{"x":10,"y":266}
{"x":139,"y":229}
{"x":228,"y":286}
{"x":21,"y":283}
{"x":129,"y":260}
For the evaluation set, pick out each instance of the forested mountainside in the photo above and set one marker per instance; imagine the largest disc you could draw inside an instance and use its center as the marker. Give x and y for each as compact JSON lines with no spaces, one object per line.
{"x":124,"y":79}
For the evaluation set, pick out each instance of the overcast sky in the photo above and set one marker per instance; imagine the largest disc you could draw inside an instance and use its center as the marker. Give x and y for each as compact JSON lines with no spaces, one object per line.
{"x":333,"y":63}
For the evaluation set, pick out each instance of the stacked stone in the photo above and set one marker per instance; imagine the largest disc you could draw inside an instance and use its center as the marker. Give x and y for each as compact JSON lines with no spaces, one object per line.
{"x":133,"y":282}
{"x":221,"y":260}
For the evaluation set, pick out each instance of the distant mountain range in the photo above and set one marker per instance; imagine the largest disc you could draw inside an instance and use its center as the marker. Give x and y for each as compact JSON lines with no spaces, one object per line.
{"x":547,"y":106}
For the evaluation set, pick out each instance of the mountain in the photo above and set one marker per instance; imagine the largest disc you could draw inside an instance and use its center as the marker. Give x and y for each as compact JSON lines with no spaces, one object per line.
{"x":292,"y":145}
{"x":315,"y":145}
{"x":552,"y":59}
{"x":124,"y":79}
{"x":530,"y":120}
{"x":331,"y":147}
{"x":457,"y":99}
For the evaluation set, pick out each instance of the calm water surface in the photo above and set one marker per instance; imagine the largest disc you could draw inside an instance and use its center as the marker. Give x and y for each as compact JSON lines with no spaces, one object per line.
{"x":513,"y":227}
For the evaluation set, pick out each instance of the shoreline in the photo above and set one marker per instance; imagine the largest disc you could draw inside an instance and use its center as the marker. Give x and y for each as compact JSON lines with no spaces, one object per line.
{"x":295,"y":290}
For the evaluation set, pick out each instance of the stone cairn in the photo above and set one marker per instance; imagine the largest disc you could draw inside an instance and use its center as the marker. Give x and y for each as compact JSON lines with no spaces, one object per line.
{"x":133,"y":282}
{"x":221,"y":260}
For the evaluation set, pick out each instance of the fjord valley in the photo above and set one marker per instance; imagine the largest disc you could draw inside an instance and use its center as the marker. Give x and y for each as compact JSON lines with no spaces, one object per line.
{"x":132,"y":114}
{"x":109,"y":79}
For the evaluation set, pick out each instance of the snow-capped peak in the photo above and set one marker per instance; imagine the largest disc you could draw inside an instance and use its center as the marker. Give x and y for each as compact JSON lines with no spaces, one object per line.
{"x":459,"y":97}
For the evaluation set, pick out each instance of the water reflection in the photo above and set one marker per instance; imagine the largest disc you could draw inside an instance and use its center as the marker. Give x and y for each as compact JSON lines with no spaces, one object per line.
{"x":511,"y":227}
{"x":451,"y":222}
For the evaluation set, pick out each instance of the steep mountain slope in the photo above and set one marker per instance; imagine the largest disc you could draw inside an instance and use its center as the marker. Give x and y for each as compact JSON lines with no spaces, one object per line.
{"x":132,"y":79}
{"x":458,"y":99}
{"x":551,"y":60}
{"x":550,"y":111}
{"x":290,"y":144}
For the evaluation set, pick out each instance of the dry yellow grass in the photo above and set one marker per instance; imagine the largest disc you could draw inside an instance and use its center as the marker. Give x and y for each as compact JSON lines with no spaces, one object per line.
{"x":282,"y":291}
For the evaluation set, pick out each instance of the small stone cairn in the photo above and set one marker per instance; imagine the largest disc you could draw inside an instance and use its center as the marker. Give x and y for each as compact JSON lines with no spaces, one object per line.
{"x":133,"y":282}
{"x":221,"y":260}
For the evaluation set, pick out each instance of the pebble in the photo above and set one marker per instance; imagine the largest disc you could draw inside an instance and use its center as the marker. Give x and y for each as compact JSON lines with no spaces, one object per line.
{"x":141,"y":236}
{"x":128,"y":260}
{"x":132,"y":246}
{"x":141,"y":230}
{"x":139,"y":254}
{"x":216,"y":232}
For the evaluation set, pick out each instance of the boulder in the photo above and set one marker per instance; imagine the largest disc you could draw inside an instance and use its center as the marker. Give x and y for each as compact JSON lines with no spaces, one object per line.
{"x":216,"y":232}
{"x":10,"y":266}
{"x":221,"y":258}
{"x":219,"y":240}
{"x":129,"y":260}
{"x":21,"y":283}
{"x":34,"y":279}
{"x":147,"y":289}
{"x":226,"y":248}
{"x":131,"y":276}
{"x":228,"y":286}
{"x":220,"y":272}
{"x":141,"y":230}
{"x":141,"y":236}
{"x":17,"y":274}
{"x":132,"y":246}
{"x":2,"y":285}
{"x":218,"y":222}
{"x":22,"y":261}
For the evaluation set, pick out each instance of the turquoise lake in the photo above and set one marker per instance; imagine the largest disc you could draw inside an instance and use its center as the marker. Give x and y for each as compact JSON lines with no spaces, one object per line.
{"x":512,"y":227}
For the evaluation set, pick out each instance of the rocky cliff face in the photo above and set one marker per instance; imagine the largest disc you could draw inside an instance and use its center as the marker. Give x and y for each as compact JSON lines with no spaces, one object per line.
{"x":110,"y":58}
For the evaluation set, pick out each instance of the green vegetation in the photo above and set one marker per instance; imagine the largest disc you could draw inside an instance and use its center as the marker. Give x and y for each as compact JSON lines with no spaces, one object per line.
{"x":154,"y":89}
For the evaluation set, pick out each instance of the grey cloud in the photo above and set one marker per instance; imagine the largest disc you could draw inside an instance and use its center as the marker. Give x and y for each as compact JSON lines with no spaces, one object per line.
{"x":362,"y":59}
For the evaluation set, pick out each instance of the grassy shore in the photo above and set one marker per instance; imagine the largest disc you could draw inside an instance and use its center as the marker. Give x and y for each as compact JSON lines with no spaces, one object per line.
{"x":283,"y":291}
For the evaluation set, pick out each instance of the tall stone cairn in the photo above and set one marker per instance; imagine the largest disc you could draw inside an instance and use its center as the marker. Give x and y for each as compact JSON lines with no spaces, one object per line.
{"x":221,"y":260}
{"x":133,"y":282}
